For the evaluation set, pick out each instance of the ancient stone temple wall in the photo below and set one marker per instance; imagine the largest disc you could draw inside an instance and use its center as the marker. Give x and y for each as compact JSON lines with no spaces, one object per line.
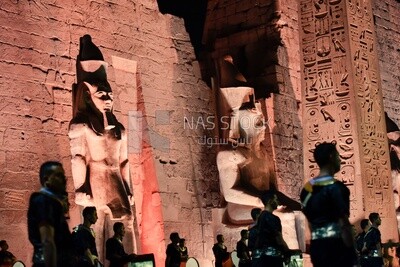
{"x":152,"y":68}
{"x":386,"y":25}
{"x":386,"y":14}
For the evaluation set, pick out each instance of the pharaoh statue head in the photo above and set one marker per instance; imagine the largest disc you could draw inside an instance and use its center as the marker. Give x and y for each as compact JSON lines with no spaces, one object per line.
{"x":246,"y":121}
{"x":92,"y":94}
{"x":237,"y":102}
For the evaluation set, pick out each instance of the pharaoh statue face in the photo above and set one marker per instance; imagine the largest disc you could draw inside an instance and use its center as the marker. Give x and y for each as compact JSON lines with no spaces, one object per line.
{"x":102,"y":97}
{"x":252,"y":128}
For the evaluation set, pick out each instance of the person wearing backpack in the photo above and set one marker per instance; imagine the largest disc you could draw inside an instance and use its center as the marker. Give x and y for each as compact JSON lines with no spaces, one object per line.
{"x":373,"y":243}
{"x":268,"y":246}
{"x":326,"y":205}
{"x":47,"y":226}
{"x":84,"y":241}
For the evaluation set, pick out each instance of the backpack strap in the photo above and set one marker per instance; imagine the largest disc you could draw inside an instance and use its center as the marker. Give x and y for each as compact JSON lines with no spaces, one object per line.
{"x":315,"y":182}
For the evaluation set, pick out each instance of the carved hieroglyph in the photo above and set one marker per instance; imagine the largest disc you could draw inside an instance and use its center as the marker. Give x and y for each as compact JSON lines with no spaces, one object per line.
{"x":342,"y":102}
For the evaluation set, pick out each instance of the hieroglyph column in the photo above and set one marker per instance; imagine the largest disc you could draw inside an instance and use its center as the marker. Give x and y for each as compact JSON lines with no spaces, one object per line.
{"x":342,"y":102}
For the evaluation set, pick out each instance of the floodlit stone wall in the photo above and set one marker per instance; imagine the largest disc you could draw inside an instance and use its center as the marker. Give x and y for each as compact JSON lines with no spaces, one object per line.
{"x":38,"y":47}
{"x":39,"y":44}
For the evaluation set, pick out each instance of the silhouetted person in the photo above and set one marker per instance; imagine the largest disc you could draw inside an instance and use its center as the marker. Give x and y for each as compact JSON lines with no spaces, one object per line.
{"x":269,"y":246}
{"x":6,"y":257}
{"x":242,"y":250}
{"x":326,"y":205}
{"x":47,"y":227}
{"x":364,"y":224}
{"x":84,"y":239}
{"x":372,"y":243}
{"x":173,"y":258}
{"x":115,"y":252}
{"x":183,"y":250}
{"x":220,"y":251}
{"x":255,"y":212}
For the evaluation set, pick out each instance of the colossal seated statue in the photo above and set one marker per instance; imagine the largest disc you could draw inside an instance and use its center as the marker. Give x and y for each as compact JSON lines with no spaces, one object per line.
{"x":245,"y":168}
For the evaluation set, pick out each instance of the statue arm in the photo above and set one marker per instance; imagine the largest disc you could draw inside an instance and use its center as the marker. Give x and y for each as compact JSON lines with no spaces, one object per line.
{"x":124,"y":163}
{"x":229,"y":176}
{"x":78,"y":154}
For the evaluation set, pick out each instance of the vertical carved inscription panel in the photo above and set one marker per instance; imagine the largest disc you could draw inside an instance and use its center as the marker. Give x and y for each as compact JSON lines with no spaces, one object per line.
{"x":342,"y":101}
{"x":372,"y":132}
{"x":329,"y":114}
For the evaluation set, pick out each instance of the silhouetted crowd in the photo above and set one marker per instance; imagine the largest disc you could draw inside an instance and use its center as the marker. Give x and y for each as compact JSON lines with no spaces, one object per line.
{"x":325,"y":204}
{"x":54,"y":245}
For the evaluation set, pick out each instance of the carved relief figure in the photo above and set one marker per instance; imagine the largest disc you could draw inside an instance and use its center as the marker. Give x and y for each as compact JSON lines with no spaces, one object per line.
{"x":100,"y":167}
